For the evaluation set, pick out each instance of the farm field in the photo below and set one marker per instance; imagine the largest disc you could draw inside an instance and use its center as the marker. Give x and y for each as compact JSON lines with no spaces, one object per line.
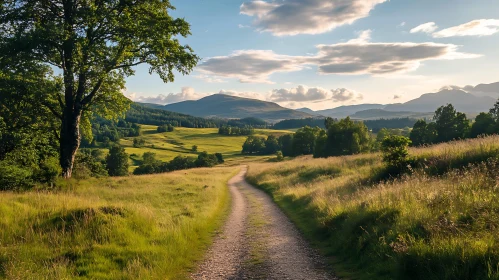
{"x":168,"y":145}
{"x":441,"y":222}
{"x":138,"y":227}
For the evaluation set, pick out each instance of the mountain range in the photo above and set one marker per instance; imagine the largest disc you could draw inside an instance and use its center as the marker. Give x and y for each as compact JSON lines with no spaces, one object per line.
{"x":228,"y":106}
{"x":469,"y":100}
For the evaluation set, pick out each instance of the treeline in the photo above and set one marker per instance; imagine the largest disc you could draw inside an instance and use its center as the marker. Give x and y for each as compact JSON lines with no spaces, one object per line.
{"x":229,"y":130}
{"x":248,"y":122}
{"x":448,"y":125}
{"x":150,"y":165}
{"x":108,"y":132}
{"x":374,"y":125}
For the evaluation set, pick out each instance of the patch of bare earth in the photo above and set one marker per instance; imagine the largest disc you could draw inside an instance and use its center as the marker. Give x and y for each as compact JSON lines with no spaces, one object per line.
{"x":259,"y":242}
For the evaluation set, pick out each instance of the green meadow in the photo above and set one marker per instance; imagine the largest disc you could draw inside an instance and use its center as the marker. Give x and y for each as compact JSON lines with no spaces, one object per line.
{"x":137,"y":227}
{"x":168,"y":145}
{"x":441,"y":221}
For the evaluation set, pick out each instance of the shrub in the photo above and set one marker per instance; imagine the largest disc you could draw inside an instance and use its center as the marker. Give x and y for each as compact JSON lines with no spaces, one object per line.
{"x":48,"y":172}
{"x":279,"y":156}
{"x":117,"y":161}
{"x":395,"y":152}
{"x":162,"y":128}
{"x":14,"y":177}
{"x":219,"y":157}
{"x":194,"y":148}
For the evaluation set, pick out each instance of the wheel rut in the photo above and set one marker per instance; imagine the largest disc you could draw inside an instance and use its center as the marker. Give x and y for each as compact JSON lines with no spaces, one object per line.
{"x":259,"y":242}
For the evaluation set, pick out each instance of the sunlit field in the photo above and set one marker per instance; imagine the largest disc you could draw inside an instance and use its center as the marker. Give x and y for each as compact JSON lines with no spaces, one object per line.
{"x":441,"y":222}
{"x":168,"y":145}
{"x":139,"y":227}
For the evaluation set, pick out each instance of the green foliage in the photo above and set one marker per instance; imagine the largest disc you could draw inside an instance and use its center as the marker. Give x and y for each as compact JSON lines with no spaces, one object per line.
{"x":194,"y":148}
{"x":286,"y":143}
{"x":346,"y":137}
{"x":450,"y":125}
{"x":229,"y":130}
{"x":253,"y":145}
{"x":95,"y":46}
{"x":395,"y":152}
{"x":423,"y":133}
{"x":279,"y":156}
{"x":48,"y":171}
{"x":271,"y":145}
{"x":14,"y":177}
{"x":220,"y":158}
{"x":484,"y":124}
{"x":138,"y":142}
{"x":117,"y":161}
{"x":206,"y":160}
{"x":304,"y":140}
{"x":180,"y":163}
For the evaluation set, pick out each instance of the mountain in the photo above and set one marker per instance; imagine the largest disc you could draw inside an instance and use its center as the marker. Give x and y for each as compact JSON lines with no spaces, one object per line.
{"x":462,"y":101}
{"x":228,"y":106}
{"x":308,"y":111}
{"x":383,"y":114}
{"x":345,"y":111}
{"x":491,"y":90}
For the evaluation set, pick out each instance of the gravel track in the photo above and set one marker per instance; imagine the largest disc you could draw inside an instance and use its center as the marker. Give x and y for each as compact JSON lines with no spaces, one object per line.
{"x":259,"y":242}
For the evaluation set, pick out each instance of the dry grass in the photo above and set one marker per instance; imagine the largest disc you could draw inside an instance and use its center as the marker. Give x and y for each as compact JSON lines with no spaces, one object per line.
{"x":149,"y":227}
{"x":441,"y":222}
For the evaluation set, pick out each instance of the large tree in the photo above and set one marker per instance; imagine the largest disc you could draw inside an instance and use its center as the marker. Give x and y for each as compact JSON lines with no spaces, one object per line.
{"x":94,"y":45}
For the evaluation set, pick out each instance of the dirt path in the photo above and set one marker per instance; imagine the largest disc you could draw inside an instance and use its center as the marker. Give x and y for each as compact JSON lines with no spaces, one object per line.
{"x":259,"y":242}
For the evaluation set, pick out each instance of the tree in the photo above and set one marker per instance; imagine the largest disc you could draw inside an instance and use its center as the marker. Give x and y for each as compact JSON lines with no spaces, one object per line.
{"x":423,"y":133}
{"x":450,"y":125}
{"x":162,"y":128}
{"x":272,"y":145}
{"x":347,"y":137}
{"x":117,"y":161}
{"x":484,"y":125}
{"x":253,"y":145}
{"x":206,"y":160}
{"x":286,"y":143}
{"x":194,"y":148}
{"x":395,"y":153}
{"x":304,"y":140}
{"x":95,"y":45}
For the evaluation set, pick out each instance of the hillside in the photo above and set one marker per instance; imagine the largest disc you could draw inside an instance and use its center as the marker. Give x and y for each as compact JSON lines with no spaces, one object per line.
{"x":440,"y":222}
{"x":347,"y":110}
{"x":384,"y":114}
{"x":462,"y":101}
{"x":227,"y":106}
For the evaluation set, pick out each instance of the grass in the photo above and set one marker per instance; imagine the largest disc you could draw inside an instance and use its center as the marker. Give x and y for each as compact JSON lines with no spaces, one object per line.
{"x":147,"y":227}
{"x":179,"y":142}
{"x":440,"y":222}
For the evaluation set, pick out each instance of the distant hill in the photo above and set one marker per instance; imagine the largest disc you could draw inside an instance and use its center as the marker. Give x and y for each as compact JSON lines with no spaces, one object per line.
{"x":383,"y":114}
{"x":345,"y":111}
{"x":227,"y":106}
{"x":462,"y":101}
{"x":308,"y":111}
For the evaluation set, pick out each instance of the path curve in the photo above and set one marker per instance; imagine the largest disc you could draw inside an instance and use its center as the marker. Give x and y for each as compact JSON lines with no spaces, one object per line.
{"x":259,"y":242}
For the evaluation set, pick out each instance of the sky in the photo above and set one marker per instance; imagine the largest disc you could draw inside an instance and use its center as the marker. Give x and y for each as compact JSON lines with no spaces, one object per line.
{"x":323,"y":54}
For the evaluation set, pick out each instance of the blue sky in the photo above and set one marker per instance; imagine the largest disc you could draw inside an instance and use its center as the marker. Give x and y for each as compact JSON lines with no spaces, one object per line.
{"x":327,"y":53}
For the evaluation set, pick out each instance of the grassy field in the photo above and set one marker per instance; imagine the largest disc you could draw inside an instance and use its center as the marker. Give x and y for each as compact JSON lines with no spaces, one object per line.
{"x":147,"y":227}
{"x":168,"y":145}
{"x":441,"y":222}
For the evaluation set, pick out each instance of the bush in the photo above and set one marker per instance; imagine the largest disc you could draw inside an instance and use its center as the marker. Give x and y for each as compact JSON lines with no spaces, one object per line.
{"x":117,"y":161}
{"x":194,"y":148}
{"x":395,"y":152}
{"x":48,"y":172}
{"x":279,"y":156}
{"x":220,"y":157}
{"x":14,"y":177}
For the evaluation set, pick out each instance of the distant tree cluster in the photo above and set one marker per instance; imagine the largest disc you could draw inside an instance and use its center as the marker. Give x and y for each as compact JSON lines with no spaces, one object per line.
{"x":397,"y":123}
{"x":165,"y":128}
{"x":108,"y":132}
{"x":448,"y":125}
{"x":229,"y":130}
{"x":245,"y":122}
{"x":150,"y":165}
{"x":260,"y":145}
{"x":295,"y":123}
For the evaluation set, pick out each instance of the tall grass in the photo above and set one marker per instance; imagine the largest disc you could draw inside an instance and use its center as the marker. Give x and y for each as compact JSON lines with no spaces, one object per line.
{"x":440,"y":222}
{"x":149,"y":227}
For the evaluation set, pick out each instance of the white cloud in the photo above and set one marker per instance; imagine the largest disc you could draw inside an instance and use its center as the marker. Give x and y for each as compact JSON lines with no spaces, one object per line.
{"x":402,"y":24}
{"x":428,"y":27}
{"x":243,"y":26}
{"x":244,"y":94}
{"x":397,"y":96}
{"x":299,"y":94}
{"x":250,"y":66}
{"x":344,"y":95}
{"x":293,"y":17}
{"x":355,"y":57}
{"x":479,"y":27}
{"x":187,"y":93}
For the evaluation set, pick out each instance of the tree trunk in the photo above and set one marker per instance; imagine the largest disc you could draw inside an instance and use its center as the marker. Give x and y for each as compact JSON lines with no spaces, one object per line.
{"x":70,"y":139}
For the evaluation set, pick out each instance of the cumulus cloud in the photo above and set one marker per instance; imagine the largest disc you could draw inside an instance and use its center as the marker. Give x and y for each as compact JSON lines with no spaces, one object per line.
{"x":209,"y":79}
{"x":245,"y":94}
{"x":428,"y":27}
{"x":293,"y":17}
{"x":299,"y":94}
{"x":250,"y":66}
{"x":187,"y":93}
{"x":354,"y":57}
{"x":344,"y":95}
{"x":479,"y":27}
